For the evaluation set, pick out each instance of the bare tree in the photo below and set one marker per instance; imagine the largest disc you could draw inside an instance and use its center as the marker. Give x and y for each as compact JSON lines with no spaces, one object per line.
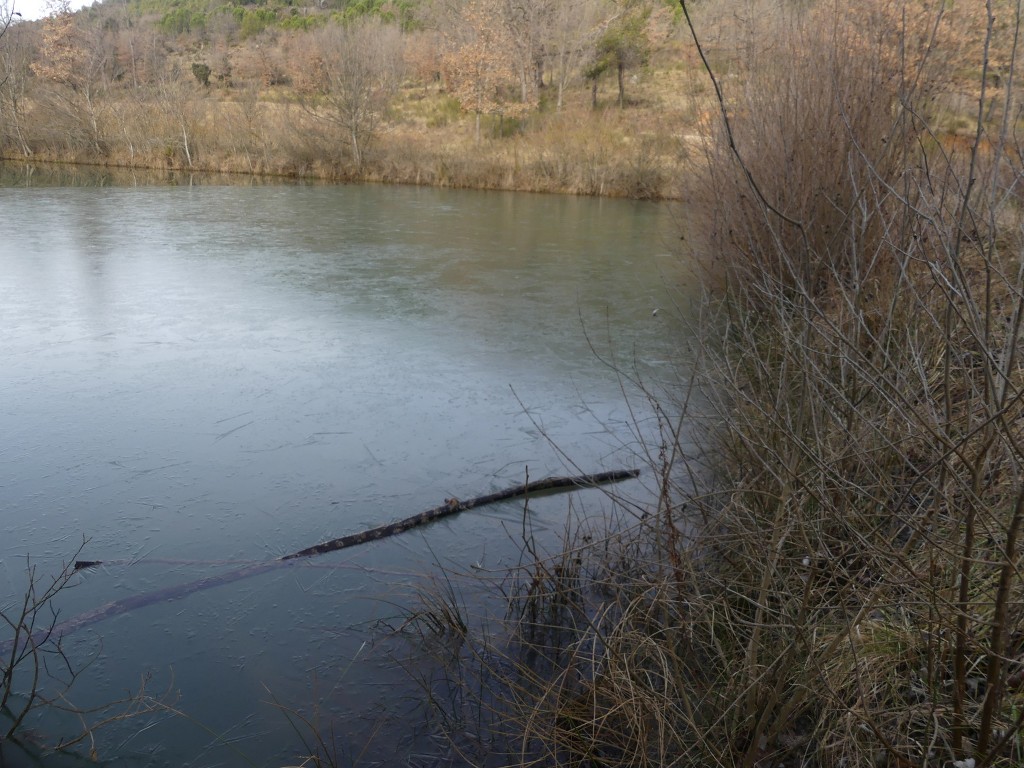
{"x":14,"y":60}
{"x":571,"y":37}
{"x":525,"y":22}
{"x":181,"y":110}
{"x":355,"y":72}
{"x":7,"y":18}
{"x":75,"y":63}
{"x":246,"y":127}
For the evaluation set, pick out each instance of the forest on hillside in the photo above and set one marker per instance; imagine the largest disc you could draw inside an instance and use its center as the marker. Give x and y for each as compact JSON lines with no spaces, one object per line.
{"x":484,"y":93}
{"x":599,"y":97}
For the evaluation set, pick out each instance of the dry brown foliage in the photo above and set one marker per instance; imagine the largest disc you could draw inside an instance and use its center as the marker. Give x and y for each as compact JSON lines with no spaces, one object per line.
{"x":62,"y":52}
{"x":478,"y":64}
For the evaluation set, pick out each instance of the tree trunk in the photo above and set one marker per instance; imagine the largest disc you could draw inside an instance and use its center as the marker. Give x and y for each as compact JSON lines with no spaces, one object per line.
{"x":593,"y":94}
{"x":622,"y":90}
{"x":25,"y":149}
{"x":356,"y":154}
{"x":184,"y":142}
{"x":94,"y":128}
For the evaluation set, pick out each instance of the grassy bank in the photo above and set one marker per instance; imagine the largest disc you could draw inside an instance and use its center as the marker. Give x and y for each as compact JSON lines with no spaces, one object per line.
{"x":574,"y":152}
{"x":832,"y":577}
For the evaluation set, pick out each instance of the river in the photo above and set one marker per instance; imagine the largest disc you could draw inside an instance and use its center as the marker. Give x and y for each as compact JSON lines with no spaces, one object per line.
{"x":201,"y":374}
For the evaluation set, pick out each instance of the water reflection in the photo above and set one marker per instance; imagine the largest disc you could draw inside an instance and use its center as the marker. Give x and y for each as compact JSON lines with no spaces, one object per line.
{"x":15,"y":174}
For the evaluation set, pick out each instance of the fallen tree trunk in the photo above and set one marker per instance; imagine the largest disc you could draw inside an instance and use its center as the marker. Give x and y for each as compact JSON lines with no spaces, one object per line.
{"x":450,"y":507}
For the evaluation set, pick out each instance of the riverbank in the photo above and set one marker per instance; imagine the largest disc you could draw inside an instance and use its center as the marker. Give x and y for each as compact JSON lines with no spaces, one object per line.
{"x":832,"y":576}
{"x":604,"y":154}
{"x":579,"y":141}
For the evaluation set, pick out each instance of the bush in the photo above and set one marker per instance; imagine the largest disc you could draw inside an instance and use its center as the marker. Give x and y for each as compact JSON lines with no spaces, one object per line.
{"x":869,"y":499}
{"x":201,"y":72}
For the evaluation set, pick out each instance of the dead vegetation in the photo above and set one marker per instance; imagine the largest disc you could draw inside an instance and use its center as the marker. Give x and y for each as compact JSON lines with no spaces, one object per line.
{"x":843,"y":587}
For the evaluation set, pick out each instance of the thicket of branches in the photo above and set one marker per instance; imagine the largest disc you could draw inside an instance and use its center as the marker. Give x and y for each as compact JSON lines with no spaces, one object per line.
{"x":832,"y":577}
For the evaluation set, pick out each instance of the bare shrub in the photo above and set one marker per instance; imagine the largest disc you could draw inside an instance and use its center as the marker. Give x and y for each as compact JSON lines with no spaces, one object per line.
{"x":799,"y":119}
{"x":37,"y":674}
{"x":871,"y":493}
{"x":261,"y":62}
{"x":356,"y":71}
{"x":423,"y":56}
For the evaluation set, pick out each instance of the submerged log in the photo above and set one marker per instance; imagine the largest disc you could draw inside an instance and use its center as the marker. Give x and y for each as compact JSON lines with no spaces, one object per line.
{"x":450,"y":507}
{"x":453,"y":506}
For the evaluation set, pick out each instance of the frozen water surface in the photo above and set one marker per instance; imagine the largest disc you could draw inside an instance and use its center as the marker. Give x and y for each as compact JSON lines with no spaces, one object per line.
{"x":193,"y":375}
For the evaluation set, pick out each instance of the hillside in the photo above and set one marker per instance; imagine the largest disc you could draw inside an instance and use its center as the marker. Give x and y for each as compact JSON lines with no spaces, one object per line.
{"x":597,"y":97}
{"x":568,"y":97}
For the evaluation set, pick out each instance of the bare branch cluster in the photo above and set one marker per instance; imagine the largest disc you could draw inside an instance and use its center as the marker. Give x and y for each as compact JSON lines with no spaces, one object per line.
{"x":37,"y":674}
{"x":352,"y":75}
